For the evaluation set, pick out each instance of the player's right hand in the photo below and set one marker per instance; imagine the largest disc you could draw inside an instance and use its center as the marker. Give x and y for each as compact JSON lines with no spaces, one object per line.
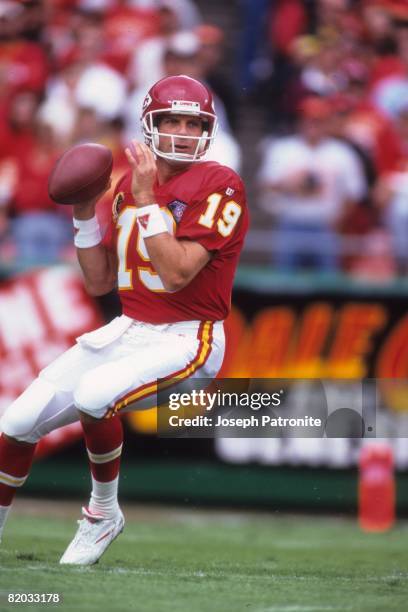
{"x":144,"y":172}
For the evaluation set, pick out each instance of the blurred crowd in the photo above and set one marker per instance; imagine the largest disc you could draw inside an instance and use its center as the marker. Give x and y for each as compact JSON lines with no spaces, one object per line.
{"x":334,"y":174}
{"x":76,"y":71}
{"x":331,"y":79}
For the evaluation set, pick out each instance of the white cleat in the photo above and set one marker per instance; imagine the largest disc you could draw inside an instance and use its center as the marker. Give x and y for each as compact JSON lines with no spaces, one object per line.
{"x":93,"y":537}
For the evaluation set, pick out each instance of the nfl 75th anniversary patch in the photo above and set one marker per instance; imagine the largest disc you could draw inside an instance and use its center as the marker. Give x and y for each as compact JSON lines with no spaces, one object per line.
{"x":177,"y":208}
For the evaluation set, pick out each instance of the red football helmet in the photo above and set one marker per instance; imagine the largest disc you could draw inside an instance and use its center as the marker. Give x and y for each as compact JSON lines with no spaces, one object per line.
{"x":180,"y":95}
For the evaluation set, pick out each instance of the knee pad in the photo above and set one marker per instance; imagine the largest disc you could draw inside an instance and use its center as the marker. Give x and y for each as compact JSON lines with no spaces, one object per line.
{"x":22,"y":416}
{"x":92,"y":396}
{"x":99,"y":388}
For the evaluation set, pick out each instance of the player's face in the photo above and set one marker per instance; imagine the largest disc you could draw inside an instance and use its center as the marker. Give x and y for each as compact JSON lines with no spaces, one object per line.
{"x":181,"y":127}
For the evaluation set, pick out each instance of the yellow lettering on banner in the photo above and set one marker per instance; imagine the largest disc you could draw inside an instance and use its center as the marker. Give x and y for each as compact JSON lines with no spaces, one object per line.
{"x":392,"y":364}
{"x":357,"y":324}
{"x":238,"y":346}
{"x":279,"y":343}
{"x":307,"y":357}
{"x":392,"y":360}
{"x":272,"y":331}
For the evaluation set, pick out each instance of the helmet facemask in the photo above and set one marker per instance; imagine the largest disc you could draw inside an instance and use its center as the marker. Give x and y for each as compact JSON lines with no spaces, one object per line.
{"x":152,"y":134}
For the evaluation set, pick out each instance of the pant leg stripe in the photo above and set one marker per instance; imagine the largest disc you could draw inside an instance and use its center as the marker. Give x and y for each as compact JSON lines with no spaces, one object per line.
{"x":204,"y":349}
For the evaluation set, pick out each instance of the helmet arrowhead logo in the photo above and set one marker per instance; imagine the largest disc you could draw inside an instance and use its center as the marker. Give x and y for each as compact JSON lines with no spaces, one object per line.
{"x":147,"y":101}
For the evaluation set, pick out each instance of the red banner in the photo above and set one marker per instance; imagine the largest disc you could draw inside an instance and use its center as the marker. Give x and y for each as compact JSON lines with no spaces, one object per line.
{"x":41,"y":314}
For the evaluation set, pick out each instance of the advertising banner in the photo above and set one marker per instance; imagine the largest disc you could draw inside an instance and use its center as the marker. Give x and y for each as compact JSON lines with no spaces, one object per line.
{"x":41,"y":314}
{"x":331,"y":335}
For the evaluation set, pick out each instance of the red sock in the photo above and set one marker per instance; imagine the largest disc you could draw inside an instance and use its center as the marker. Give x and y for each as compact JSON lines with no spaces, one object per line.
{"x":15,"y":464}
{"x":104,"y":441}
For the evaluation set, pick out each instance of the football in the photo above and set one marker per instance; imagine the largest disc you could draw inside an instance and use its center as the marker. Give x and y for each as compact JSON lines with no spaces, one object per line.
{"x":80,"y":174}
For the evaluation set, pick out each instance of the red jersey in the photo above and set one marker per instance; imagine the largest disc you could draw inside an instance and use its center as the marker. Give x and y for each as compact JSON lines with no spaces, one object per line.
{"x":205,"y":203}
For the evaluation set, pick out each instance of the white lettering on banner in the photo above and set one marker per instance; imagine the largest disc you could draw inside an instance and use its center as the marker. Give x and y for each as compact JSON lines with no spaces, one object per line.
{"x":16,"y":371}
{"x":45,"y":353}
{"x":63,"y":299}
{"x":41,"y":314}
{"x":20,"y":321}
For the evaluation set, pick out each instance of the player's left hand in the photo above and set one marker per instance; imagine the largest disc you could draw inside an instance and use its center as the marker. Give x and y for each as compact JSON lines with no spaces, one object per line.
{"x":144,"y":171}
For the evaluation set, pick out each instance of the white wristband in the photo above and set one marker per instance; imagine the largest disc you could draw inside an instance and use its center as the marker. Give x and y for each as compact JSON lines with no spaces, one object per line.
{"x":150,"y":221}
{"x":88,"y":233}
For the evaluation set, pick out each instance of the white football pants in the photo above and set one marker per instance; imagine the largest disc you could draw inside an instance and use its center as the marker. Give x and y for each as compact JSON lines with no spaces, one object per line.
{"x":114,"y":368}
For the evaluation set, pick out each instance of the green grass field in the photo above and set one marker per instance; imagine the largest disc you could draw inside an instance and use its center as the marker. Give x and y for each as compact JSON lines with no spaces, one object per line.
{"x":196,"y":561}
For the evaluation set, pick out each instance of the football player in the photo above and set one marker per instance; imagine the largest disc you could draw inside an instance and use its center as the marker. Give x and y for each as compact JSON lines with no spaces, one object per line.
{"x":172,"y":248}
